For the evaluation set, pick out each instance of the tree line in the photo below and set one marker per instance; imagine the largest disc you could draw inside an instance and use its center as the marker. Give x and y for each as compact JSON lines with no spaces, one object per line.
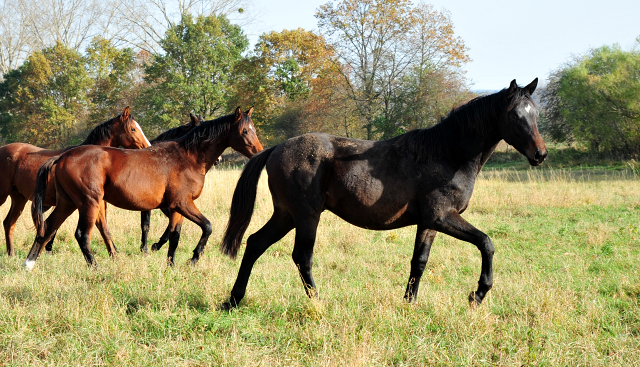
{"x":375,"y":68}
{"x":594,"y":101}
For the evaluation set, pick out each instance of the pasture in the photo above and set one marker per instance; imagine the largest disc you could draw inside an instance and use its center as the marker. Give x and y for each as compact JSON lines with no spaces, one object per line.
{"x":566,"y":291}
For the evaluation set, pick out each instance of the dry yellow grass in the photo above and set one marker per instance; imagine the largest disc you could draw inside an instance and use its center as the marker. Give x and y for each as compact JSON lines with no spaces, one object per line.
{"x":566,"y":288}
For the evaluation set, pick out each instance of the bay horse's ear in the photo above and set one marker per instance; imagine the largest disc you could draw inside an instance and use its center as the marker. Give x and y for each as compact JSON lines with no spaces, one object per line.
{"x":250,"y":111}
{"x":238,"y":114}
{"x":532,"y":86}
{"x":126,"y":114}
{"x":194,"y":120}
{"x":513,"y":87}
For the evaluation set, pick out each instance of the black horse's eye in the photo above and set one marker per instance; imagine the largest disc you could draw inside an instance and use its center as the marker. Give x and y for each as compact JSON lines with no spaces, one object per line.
{"x":244,"y":131}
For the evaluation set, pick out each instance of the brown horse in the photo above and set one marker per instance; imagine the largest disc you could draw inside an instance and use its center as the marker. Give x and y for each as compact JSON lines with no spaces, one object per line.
{"x":167,"y":175}
{"x":19,"y":164}
{"x":424,"y":177}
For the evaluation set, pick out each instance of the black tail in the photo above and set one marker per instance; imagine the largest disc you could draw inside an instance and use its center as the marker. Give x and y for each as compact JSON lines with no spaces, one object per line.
{"x":37,"y":207}
{"x":244,"y":198}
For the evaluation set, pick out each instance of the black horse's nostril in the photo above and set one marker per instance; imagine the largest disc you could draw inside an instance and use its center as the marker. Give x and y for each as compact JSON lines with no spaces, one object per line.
{"x":540,"y":156}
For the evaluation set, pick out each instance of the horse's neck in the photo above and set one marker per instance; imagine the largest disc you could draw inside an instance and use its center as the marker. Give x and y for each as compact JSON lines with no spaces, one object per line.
{"x":472,"y":147}
{"x":108,"y":141}
{"x":207,"y":154}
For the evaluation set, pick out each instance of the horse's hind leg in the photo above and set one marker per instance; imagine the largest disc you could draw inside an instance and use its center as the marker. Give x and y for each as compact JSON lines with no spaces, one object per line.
{"x":303,"y":252}
{"x":424,"y":239}
{"x":175,"y":222}
{"x":277,"y":227}
{"x":454,"y":225}
{"x":18,"y":202}
{"x":88,"y":215}
{"x":165,"y":236}
{"x":101,"y":224}
{"x":61,"y":212}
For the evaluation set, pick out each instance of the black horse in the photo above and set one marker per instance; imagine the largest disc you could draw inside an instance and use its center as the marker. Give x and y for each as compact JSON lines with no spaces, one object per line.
{"x":424,"y":177}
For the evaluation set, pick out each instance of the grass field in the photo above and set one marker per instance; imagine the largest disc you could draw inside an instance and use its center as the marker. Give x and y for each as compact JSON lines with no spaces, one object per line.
{"x":566,"y":291}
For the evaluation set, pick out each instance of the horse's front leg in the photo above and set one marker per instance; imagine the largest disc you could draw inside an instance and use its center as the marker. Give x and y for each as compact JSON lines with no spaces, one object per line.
{"x":421,"y":250}
{"x":145,"y":223}
{"x":191,"y":212}
{"x":454,"y":225}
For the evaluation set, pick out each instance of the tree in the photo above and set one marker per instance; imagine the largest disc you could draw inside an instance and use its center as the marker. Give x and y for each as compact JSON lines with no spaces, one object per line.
{"x":596,"y":100}
{"x":192,"y":75}
{"x":113,"y":73}
{"x":45,"y":97}
{"x":291,"y":79}
{"x":384,"y":43}
{"x":148,"y":21}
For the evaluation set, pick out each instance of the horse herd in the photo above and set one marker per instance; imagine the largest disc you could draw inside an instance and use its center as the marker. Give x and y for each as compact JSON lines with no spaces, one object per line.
{"x":424,"y":177}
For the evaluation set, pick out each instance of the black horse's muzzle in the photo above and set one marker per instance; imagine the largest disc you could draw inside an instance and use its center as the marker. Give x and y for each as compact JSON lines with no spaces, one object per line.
{"x":538,"y":157}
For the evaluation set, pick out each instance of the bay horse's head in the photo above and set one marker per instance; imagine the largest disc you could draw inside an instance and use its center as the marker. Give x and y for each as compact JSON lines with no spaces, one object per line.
{"x":242,"y":136}
{"x":128,"y":133}
{"x":519,"y":127}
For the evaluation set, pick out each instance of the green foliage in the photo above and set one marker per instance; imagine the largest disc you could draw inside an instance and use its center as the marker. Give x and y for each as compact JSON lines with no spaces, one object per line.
{"x":113,"y":72}
{"x":45,"y":97}
{"x":194,"y":72}
{"x":596,"y":101}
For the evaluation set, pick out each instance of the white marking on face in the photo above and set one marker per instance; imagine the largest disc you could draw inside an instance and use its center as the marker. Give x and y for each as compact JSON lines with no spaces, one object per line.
{"x":29,"y":264}
{"x":527,"y":108}
{"x":142,"y":132}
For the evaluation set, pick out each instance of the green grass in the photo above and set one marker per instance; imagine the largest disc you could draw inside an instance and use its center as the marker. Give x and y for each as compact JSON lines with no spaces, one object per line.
{"x":566,"y":292}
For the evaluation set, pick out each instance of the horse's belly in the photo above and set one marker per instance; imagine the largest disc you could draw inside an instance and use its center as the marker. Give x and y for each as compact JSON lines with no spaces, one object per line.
{"x":132,"y":199}
{"x":379,"y":216}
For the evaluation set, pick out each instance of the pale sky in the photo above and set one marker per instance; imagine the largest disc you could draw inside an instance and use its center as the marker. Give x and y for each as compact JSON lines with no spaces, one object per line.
{"x":507,"y":39}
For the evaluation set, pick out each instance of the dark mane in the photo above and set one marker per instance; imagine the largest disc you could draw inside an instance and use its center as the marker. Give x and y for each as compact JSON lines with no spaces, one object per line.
{"x":176,"y":132}
{"x":101,"y":132}
{"x":208,"y":131}
{"x":475,"y":117}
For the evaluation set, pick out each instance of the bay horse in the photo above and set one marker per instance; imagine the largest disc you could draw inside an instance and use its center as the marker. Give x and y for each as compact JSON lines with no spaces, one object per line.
{"x":424,"y":177}
{"x":19,"y":164}
{"x":167,"y":175}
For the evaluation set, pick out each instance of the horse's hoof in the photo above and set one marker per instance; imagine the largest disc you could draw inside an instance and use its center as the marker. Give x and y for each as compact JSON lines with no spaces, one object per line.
{"x":144,"y":250}
{"x":49,"y":252}
{"x":474,"y":300}
{"x":155,"y":247}
{"x":192,"y":262}
{"x":29,"y":264}
{"x":227,"y":306}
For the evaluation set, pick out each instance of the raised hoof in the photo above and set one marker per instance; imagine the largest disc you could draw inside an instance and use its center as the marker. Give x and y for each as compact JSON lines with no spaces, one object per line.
{"x":155,"y":247}
{"x":474,"y":300}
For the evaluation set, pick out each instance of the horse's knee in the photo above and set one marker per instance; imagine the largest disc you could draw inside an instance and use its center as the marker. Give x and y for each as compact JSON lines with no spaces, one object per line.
{"x":207,"y":229}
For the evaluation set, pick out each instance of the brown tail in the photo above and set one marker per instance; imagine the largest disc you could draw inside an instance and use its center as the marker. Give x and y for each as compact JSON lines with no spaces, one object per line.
{"x":37,"y":207}
{"x":244,"y":198}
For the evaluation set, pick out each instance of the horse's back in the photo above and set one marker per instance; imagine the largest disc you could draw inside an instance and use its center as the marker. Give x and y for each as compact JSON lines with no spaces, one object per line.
{"x":363,"y":182}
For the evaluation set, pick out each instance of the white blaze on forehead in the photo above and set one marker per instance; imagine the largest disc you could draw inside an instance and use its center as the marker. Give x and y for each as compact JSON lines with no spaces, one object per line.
{"x":142,"y":132}
{"x":527,"y":108}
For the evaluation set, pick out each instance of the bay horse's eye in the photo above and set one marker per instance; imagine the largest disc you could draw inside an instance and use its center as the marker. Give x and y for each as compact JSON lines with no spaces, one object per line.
{"x":244,"y":131}
{"x":133,"y":129}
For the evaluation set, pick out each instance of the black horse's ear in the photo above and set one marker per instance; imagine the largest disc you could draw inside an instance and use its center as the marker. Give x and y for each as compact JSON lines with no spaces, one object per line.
{"x":238,"y":114}
{"x":126,"y":114}
{"x":532,"y":86}
{"x":250,"y":111}
{"x":194,"y":120}
{"x":513,"y":87}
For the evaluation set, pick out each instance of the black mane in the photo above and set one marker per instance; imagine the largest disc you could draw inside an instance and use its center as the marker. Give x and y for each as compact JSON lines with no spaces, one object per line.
{"x":101,"y":132}
{"x":207,"y":132}
{"x":171,"y":134}
{"x":474,"y":118}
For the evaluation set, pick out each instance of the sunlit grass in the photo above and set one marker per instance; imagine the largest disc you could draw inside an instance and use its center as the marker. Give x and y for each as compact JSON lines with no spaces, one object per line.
{"x":566,"y":288}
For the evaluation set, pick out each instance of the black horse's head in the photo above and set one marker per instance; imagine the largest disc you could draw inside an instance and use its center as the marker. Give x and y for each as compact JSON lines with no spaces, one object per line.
{"x":519,"y":127}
